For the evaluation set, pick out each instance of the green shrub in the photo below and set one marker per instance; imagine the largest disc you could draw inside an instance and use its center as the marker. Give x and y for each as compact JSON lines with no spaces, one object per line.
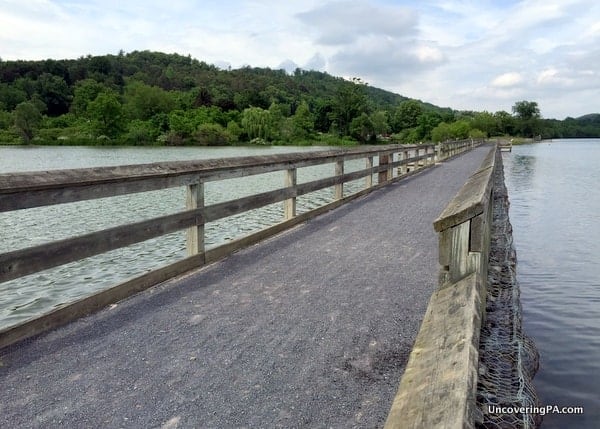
{"x":141,"y":133}
{"x":211,"y":134}
{"x":9,"y":137}
{"x":477,"y":134}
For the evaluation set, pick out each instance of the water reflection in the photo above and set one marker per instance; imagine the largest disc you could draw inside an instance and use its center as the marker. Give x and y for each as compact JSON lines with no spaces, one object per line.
{"x":523,"y":167}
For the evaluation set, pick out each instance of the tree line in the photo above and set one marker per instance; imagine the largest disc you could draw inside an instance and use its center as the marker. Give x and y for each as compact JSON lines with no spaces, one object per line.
{"x":143,"y":98}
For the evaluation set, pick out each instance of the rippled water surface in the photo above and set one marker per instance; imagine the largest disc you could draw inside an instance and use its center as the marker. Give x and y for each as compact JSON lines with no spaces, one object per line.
{"x":554,"y":190}
{"x":32,"y":295}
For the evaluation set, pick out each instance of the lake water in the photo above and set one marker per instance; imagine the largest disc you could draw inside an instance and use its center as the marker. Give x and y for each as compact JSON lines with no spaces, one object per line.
{"x":33,"y":295}
{"x":554,"y":191}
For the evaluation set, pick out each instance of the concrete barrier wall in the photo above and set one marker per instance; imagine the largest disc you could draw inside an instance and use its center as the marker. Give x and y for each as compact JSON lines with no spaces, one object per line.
{"x":438,"y":388}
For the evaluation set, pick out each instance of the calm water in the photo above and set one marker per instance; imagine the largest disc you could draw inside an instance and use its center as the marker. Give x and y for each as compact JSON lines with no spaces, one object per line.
{"x":32,"y":295}
{"x":554,"y":190}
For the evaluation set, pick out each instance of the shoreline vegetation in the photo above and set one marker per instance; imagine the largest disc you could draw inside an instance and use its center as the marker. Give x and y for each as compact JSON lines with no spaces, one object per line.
{"x":151,"y":98}
{"x":327,"y":141}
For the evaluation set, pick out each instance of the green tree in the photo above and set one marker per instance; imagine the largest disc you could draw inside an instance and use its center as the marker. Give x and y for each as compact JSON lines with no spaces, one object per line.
{"x":441,"y":132}
{"x":234,"y":130}
{"x":460,"y":129}
{"x":27,"y":85}
{"x":27,"y":120}
{"x":144,"y":101}
{"x":11,"y":96}
{"x":379,"y":119}
{"x":257,"y":123}
{"x":349,"y":102}
{"x":477,"y":134}
{"x":55,"y":93}
{"x":406,"y":115}
{"x":6,"y":120}
{"x":205,"y":115}
{"x":303,"y":121}
{"x":86,"y":91}
{"x":487,"y":123}
{"x":277,"y":117}
{"x":361,"y":128}
{"x":528,"y":117}
{"x":323,"y":115}
{"x":526,"y":110}
{"x":454,"y":130}
{"x":180,"y":124}
{"x":506,"y":122}
{"x":141,"y":132}
{"x":426,"y":123}
{"x":105,"y":114}
{"x":210,"y":134}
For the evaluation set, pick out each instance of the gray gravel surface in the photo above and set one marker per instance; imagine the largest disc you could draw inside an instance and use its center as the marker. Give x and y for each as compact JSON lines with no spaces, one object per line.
{"x":311,"y":328}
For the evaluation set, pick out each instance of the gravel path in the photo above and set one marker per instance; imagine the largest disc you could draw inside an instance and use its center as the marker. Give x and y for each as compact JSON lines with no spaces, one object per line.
{"x":311,"y":328}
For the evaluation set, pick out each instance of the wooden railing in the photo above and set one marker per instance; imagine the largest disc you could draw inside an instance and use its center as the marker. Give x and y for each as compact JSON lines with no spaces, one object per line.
{"x":36,"y":189}
{"x":438,"y":388}
{"x":505,"y":145}
{"x":451,"y":148}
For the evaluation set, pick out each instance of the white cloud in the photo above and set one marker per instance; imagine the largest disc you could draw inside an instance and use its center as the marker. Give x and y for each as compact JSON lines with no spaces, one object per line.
{"x":342,"y":23}
{"x":288,"y":65}
{"x":549,"y":76}
{"x":507,"y":80}
{"x":429,"y":54}
{"x":466,"y":54}
{"x":316,"y":62}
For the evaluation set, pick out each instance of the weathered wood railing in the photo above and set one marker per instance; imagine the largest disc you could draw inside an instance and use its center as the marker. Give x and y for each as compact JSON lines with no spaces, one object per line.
{"x":505,"y":145}
{"x":452,"y":148}
{"x":35,"y":189}
{"x":438,"y":388}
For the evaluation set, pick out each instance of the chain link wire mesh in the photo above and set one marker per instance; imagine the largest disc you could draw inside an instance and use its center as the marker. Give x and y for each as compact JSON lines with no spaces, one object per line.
{"x":508,"y":359}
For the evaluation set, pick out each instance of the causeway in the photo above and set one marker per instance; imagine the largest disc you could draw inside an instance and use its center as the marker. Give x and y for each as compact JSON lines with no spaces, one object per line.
{"x":311,"y":328}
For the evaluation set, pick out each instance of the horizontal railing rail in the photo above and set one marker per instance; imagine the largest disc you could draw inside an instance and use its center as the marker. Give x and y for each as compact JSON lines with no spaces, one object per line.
{"x":36,"y":189}
{"x":438,"y":388}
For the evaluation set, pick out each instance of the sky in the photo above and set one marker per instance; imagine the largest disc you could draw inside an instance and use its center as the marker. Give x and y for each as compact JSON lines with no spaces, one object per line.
{"x":464,"y":54}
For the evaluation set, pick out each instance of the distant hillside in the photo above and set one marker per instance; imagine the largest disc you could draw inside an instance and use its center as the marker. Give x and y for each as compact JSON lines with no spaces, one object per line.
{"x":227,"y":89}
{"x":147,"y":97}
{"x":586,"y":126}
{"x":592,"y":118}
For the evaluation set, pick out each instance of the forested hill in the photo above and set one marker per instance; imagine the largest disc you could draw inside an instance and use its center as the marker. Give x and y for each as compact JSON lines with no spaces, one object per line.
{"x":156,"y":98}
{"x":56,"y":80}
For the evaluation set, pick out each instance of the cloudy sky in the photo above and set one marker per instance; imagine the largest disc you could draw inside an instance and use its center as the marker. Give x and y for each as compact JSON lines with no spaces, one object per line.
{"x":464,"y":54}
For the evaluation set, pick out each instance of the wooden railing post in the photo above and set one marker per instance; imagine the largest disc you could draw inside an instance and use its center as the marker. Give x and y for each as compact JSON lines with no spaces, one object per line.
{"x":289,"y":205}
{"x":195,"y":234}
{"x":383,"y":174}
{"x":413,"y":165}
{"x":400,"y":158}
{"x":339,"y":188}
{"x":369,"y":178}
